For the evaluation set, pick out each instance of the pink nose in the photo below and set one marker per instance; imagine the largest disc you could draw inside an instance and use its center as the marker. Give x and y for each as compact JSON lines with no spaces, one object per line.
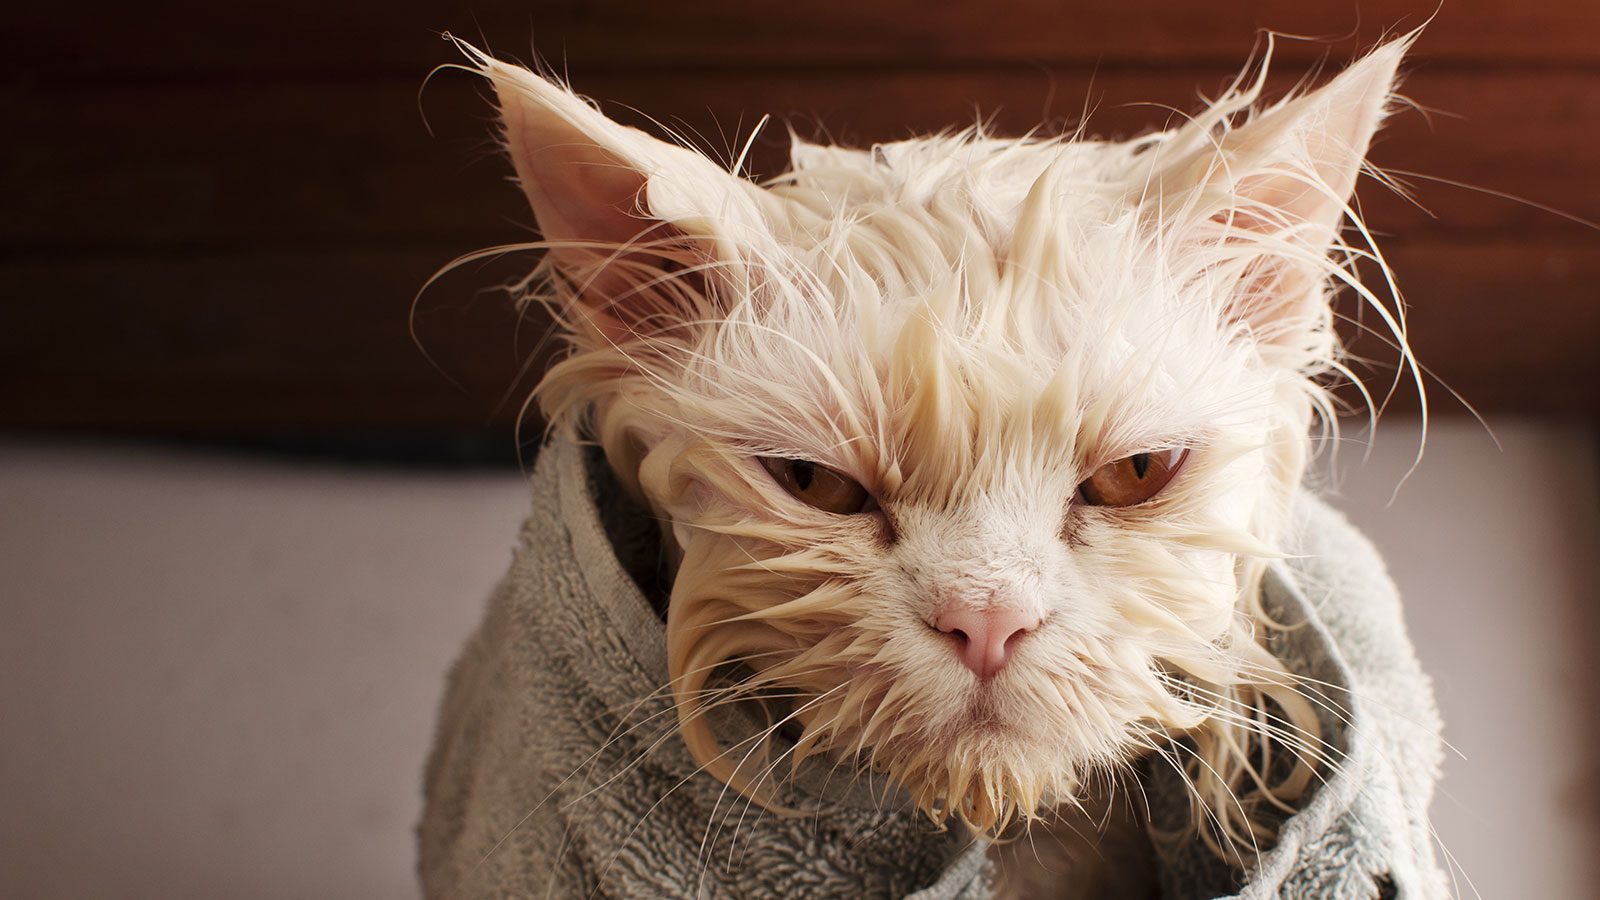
{"x":984,"y":637}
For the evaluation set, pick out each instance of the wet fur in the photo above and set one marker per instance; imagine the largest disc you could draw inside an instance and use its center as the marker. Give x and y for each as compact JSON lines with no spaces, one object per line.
{"x":968,"y":326}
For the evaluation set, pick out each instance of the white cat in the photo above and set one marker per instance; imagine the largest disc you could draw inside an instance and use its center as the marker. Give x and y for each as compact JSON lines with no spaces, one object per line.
{"x":970,"y":451}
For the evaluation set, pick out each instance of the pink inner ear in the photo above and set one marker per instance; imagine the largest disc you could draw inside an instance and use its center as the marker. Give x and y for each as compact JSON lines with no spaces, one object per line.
{"x":571,"y":163}
{"x":1301,"y":160}
{"x":1311,"y":149}
{"x":593,"y":200}
{"x":579,"y":190}
{"x":1276,"y":202}
{"x":625,"y":214}
{"x":581,"y":193}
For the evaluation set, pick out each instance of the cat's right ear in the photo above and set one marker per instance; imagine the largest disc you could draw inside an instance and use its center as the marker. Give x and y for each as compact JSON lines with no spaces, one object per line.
{"x":618,"y":207}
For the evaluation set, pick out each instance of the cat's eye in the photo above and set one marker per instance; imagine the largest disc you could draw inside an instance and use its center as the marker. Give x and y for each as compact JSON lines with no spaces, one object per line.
{"x":818,"y":486}
{"x":1131,"y":480}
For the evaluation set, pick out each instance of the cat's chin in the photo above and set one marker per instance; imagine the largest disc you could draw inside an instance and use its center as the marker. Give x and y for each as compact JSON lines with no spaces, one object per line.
{"x":987,"y":774}
{"x":985,"y":763}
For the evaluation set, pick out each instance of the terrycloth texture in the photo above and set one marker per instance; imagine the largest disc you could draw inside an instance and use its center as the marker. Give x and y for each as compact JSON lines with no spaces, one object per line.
{"x":1364,"y":832}
{"x":557,"y":773}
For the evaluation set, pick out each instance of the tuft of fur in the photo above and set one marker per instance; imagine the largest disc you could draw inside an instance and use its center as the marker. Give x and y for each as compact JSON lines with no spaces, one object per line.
{"x":968,"y":326}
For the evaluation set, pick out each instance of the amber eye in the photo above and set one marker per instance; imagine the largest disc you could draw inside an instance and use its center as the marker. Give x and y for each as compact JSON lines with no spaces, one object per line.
{"x":1132,"y":479}
{"x":818,"y":486}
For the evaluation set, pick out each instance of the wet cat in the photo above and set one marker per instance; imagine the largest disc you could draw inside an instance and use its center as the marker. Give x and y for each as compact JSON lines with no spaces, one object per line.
{"x":969,"y":452}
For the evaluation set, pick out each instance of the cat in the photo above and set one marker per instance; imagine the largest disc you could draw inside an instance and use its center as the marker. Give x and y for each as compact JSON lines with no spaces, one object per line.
{"x":969,"y":451}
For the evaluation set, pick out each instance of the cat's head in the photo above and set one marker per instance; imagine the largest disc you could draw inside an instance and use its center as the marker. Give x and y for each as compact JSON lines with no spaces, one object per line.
{"x":972,"y":449}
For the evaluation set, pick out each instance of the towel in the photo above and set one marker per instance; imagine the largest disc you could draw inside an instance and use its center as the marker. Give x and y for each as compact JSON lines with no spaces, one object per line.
{"x":556,"y":771}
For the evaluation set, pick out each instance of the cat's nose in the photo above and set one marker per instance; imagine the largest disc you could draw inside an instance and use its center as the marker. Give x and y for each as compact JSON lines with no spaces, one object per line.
{"x":984,"y":638}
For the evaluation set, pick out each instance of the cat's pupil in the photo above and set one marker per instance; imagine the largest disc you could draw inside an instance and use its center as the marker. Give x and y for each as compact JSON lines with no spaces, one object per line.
{"x":804,"y":473}
{"x":1141,"y":463}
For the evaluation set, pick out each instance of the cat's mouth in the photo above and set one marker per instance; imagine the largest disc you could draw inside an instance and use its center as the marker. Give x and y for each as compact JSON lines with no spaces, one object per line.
{"x":985,"y":772}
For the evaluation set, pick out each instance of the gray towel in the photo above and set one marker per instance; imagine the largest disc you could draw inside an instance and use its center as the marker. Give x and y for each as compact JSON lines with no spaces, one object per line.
{"x":556,"y":772}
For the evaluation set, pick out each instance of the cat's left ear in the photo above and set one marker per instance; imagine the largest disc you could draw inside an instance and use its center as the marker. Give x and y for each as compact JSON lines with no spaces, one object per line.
{"x":1296,"y":163}
{"x":1280,"y":185}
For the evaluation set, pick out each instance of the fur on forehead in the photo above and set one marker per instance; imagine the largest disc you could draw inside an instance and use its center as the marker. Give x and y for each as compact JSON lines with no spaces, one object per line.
{"x":913,"y":339}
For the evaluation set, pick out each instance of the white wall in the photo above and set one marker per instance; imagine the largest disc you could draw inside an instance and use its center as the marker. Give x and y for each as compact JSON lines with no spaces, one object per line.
{"x":217,"y":677}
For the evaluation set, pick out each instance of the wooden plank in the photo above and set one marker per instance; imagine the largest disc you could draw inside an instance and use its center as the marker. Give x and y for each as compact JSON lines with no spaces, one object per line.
{"x":259,"y":339}
{"x":224,"y":165}
{"x":234,"y":165}
{"x":307,"y":39}
{"x":308,"y":338}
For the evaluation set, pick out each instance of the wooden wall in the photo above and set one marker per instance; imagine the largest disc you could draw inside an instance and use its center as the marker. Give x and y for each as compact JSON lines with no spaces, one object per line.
{"x":217,"y":221}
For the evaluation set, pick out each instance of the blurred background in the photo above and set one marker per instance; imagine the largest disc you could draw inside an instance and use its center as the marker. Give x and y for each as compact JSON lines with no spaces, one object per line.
{"x":254,"y":487}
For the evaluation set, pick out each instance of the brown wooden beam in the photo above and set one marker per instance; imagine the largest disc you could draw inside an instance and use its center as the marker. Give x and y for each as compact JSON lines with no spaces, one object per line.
{"x":281,"y":165}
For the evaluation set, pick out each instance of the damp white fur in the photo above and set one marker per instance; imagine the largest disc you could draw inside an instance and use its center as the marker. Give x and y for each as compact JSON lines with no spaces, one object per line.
{"x":967,"y":326}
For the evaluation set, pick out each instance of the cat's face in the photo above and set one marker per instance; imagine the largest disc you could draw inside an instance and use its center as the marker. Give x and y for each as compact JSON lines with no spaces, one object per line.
{"x":971,"y":449}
